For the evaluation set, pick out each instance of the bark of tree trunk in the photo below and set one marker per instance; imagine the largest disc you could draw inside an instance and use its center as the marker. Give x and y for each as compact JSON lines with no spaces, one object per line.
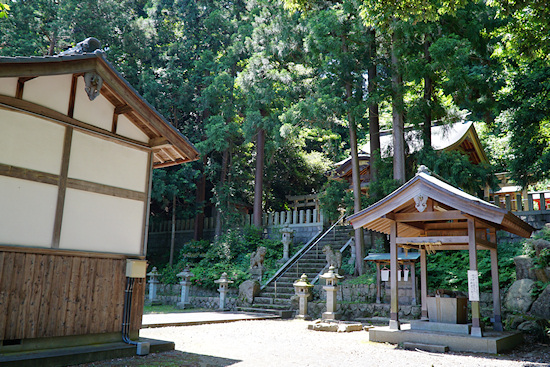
{"x":428,"y":88}
{"x":173,"y":234}
{"x":223,"y":178}
{"x":398,"y":120}
{"x":199,"y":199}
{"x":258,"y":184}
{"x":374,"y":122}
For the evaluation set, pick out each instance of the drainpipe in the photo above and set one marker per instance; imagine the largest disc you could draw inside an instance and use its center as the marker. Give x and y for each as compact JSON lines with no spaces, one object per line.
{"x":134,"y":269}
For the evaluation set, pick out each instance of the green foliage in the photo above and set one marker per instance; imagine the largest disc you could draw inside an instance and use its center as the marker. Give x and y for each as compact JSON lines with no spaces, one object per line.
{"x":4,"y":8}
{"x":335,"y":199}
{"x":230,"y":254}
{"x":530,"y":126}
{"x":448,"y":269}
{"x":455,"y":168}
{"x":385,"y":184}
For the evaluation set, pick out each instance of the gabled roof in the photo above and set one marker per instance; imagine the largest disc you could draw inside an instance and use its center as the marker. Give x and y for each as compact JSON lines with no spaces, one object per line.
{"x":169,"y":146}
{"x":449,"y":203}
{"x":444,"y":137}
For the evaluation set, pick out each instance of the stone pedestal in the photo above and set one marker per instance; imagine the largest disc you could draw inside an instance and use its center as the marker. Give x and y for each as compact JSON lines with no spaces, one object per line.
{"x":223,"y":289}
{"x":331,"y":287}
{"x":185,"y":283}
{"x":153,"y":286}
{"x":302,"y":288}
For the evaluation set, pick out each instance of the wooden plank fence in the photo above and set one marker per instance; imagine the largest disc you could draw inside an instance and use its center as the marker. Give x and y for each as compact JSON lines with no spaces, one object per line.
{"x":45,"y":294}
{"x":271,"y":219}
{"x":534,"y":203}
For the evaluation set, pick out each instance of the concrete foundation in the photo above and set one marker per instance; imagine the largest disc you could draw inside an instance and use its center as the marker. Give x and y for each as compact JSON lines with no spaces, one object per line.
{"x":491,"y":342}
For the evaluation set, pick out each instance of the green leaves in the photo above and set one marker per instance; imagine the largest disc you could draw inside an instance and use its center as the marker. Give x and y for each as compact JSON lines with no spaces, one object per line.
{"x":4,"y":8}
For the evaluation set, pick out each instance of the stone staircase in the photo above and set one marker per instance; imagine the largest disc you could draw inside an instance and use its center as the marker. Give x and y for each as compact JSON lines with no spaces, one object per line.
{"x":275,"y":297}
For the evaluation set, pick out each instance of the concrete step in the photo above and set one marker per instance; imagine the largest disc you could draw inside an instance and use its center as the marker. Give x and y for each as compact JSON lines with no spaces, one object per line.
{"x":426,"y":347}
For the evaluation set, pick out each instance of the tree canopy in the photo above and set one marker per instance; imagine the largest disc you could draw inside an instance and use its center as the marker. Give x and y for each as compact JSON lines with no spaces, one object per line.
{"x":304,"y":74}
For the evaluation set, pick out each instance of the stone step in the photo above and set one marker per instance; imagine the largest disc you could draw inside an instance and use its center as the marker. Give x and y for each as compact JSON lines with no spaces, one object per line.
{"x":284,"y":314}
{"x":261,"y":299}
{"x":279,"y":295}
{"x":270,"y":306}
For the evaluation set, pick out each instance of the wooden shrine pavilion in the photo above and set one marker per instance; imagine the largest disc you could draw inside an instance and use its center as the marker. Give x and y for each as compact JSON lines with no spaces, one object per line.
{"x":427,"y":214}
{"x":77,"y":149}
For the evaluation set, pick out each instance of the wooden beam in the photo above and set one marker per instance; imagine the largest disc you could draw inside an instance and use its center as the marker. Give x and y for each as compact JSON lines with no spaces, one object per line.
{"x":62,"y":188}
{"x":123,"y":109}
{"x":13,"y":104}
{"x":442,"y":239}
{"x":428,"y":216}
{"x":159,"y":142}
{"x":106,"y":190}
{"x":114,"y":123}
{"x":21,"y":86}
{"x":72,"y":96}
{"x":487,"y":244}
{"x":59,"y":252}
{"x":28,"y":174}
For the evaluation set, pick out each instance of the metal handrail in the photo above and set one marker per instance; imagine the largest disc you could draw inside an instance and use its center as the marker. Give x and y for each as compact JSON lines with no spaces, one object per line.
{"x":308,"y":246}
{"x":326,"y":267}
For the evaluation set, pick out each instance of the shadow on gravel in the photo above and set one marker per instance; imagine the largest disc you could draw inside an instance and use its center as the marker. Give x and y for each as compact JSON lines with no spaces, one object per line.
{"x":166,"y":359}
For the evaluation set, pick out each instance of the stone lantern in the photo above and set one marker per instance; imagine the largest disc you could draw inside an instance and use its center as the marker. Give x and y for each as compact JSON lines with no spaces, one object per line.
{"x":302,"y":288}
{"x":185,"y":282}
{"x":223,"y":289}
{"x":287,"y":235}
{"x":153,"y":284}
{"x":331,"y":287}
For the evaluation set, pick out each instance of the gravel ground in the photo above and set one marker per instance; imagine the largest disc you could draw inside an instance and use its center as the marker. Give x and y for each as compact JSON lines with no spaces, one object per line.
{"x":289,"y":343}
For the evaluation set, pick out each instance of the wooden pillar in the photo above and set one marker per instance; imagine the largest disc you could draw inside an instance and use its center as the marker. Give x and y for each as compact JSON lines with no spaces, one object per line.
{"x":497,"y":324}
{"x":423,"y":285}
{"x":413,"y":281}
{"x":378,"y":282}
{"x":394,"y":303}
{"x":472,"y":252}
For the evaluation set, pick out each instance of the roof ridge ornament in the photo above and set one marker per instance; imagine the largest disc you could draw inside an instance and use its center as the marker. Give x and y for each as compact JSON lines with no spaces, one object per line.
{"x":89,"y":45}
{"x":423,"y":169}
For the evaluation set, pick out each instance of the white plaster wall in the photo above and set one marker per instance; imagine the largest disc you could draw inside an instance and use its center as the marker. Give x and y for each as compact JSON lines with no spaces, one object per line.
{"x":95,"y":222}
{"x":8,"y":86}
{"x":105,"y":162}
{"x":127,"y":128}
{"x":30,"y":142}
{"x":49,"y":91}
{"x":98,"y":112}
{"x":27,"y":212}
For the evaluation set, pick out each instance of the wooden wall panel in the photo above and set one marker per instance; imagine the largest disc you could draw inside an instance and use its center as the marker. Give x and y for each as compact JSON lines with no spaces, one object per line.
{"x":43,"y":294}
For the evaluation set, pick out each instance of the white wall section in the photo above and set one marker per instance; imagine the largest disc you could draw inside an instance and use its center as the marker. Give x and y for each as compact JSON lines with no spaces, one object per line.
{"x":27,"y":212}
{"x":98,"y":112}
{"x":8,"y":86}
{"x":105,"y":162}
{"x":49,"y":91}
{"x":101,"y":223}
{"x":126,"y":128}
{"x":30,"y":142}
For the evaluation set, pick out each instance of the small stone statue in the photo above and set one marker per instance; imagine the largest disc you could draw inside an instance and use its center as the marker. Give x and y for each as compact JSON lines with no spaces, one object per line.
{"x":333,"y":258}
{"x":257,"y":263}
{"x":257,"y":258}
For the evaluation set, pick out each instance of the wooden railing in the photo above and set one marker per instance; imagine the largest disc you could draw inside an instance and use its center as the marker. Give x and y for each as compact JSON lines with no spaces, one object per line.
{"x":535,"y":202}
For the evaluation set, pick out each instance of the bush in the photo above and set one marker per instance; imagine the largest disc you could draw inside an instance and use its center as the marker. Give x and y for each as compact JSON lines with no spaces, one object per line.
{"x":448,"y":269}
{"x":230,"y":254}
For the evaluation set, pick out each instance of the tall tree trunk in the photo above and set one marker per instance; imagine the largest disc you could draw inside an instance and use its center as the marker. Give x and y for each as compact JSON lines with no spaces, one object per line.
{"x":398,"y":120}
{"x":223,"y":178}
{"x":259,"y":178}
{"x":173,"y":235}
{"x":355,"y":175}
{"x":428,"y":90}
{"x":200,"y":196}
{"x":374,"y":122}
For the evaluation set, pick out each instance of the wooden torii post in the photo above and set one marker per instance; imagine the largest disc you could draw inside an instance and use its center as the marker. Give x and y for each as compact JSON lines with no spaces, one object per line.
{"x":428,"y":214}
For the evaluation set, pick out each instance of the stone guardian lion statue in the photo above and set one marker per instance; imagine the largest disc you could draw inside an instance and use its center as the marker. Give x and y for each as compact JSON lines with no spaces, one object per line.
{"x":333,"y":258}
{"x":257,"y":258}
